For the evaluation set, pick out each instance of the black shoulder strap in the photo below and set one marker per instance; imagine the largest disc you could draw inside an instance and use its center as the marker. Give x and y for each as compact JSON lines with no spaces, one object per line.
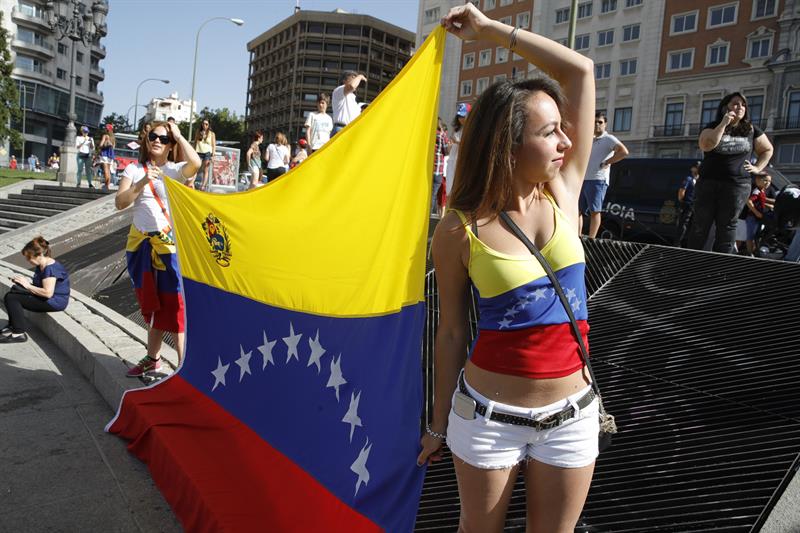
{"x":557,"y":287}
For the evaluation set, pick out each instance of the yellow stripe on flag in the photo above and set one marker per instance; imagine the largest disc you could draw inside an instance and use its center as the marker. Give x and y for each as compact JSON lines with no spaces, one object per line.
{"x":344,"y":233}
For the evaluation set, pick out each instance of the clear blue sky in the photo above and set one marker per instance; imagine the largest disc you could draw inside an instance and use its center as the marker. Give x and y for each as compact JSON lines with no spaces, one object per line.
{"x":155,"y":39}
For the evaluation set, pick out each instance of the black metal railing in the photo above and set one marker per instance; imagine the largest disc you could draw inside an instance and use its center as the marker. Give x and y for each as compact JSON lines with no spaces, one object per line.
{"x":668,"y":130}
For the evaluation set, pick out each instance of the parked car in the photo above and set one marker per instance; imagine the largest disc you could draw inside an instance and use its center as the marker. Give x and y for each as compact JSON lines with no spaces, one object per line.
{"x":641,"y":203}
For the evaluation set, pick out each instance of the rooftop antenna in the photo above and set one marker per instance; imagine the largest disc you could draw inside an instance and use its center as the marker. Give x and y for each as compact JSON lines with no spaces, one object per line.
{"x":296,"y":6}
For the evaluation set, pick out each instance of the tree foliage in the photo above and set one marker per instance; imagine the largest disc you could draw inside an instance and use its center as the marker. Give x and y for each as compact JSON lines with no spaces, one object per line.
{"x":9,"y":96}
{"x":226,"y":125}
{"x":120,"y":122}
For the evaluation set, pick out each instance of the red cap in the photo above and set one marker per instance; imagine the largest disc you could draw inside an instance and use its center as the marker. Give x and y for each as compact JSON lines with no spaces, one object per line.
{"x":109,"y":127}
{"x":302,"y":142}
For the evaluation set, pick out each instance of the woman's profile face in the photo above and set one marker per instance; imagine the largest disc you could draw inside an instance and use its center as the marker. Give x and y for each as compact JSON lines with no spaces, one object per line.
{"x":540,"y":156}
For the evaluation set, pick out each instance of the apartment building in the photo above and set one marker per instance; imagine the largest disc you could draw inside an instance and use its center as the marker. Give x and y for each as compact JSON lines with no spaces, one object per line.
{"x":42,"y":74}
{"x":305,"y":54}
{"x":430,"y":13}
{"x":171,"y":106}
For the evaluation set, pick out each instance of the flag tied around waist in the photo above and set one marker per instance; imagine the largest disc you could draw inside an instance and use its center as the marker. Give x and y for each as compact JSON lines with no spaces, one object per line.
{"x":297,"y":407}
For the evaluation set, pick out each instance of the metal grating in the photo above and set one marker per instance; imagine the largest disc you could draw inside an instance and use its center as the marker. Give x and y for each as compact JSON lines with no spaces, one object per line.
{"x":697,"y":358}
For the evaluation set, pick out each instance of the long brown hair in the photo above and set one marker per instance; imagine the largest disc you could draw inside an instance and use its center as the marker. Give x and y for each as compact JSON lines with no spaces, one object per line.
{"x":492,"y":131}
{"x":144,"y":149}
{"x":744,"y":126}
{"x":201,"y":134}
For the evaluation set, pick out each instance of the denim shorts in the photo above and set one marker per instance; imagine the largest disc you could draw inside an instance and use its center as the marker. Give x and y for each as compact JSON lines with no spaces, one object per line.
{"x":752,"y":224}
{"x":487,"y":444}
{"x":593,"y":192}
{"x":205,"y":156}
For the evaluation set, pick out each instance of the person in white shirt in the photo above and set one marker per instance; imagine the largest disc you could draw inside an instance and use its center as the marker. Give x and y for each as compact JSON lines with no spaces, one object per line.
{"x":345,"y":107}
{"x":319,"y":125}
{"x":277,"y":156}
{"x":142,"y":185}
{"x":606,"y":150}
{"x":85,"y":145}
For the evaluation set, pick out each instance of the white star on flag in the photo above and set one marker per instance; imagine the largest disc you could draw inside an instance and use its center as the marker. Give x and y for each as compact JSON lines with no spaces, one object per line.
{"x":576,"y":305}
{"x":336,"y":380}
{"x":317,"y":351}
{"x":359,"y":466}
{"x":291,"y":343}
{"x":504,"y":323}
{"x":351,"y":417}
{"x":244,"y":363}
{"x":539,"y":293}
{"x":266,"y":350}
{"x":511,"y":311}
{"x":570,"y":294}
{"x":219,"y":374}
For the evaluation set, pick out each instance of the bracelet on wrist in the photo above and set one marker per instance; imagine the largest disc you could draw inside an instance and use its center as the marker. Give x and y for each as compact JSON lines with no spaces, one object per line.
{"x":441,"y":436}
{"x":513,"y":39}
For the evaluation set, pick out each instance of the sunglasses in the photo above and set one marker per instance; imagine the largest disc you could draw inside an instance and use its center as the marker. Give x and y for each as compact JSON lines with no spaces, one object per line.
{"x":163,"y":138}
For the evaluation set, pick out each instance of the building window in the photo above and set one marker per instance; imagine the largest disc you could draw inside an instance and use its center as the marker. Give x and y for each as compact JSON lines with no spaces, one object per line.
{"x":607,"y":6}
{"x":468,"y":61}
{"x":489,"y":4}
{"x":605,"y":37}
{"x":500,"y":77}
{"x":680,"y":60}
{"x":61,"y":74}
{"x":764,"y":8}
{"x":62,"y":49}
{"x":506,"y":20}
{"x":722,"y":15}
{"x":28,"y":63}
{"x":760,"y":47}
{"x":481,"y":85}
{"x":432,"y":15}
{"x":755,"y":104}
{"x":92,"y":86}
{"x":506,"y":2}
{"x":582,"y":42}
{"x":585,"y":10}
{"x":708,"y":111}
{"x":683,"y":23}
{"x":717,"y":54}
{"x":485,"y":58}
{"x":78,"y":81}
{"x":562,"y":15}
{"x":524,"y":20}
{"x":79,"y":57}
{"x":466,"y":88}
{"x":633,"y":3}
{"x":789,"y":154}
{"x":501,"y":55}
{"x":793,"y":111}
{"x":622,"y":118}
{"x":630,"y":33}
{"x":673,"y":119}
{"x":602,"y":71}
{"x":627,"y":67}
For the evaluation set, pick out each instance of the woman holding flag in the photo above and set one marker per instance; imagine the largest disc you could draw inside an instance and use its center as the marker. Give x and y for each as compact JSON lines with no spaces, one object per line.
{"x":152,"y":264}
{"x":523,"y":153}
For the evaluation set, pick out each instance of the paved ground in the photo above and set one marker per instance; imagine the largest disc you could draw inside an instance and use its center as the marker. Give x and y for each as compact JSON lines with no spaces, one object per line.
{"x":59,"y":471}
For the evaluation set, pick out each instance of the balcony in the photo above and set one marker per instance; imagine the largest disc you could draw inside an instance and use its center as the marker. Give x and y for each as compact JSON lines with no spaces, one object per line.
{"x":40,"y":74}
{"x":670,"y":130}
{"x":97,"y":72}
{"x":99,"y":49}
{"x":787,"y":123}
{"x":26,"y":20}
{"x":42,"y":49}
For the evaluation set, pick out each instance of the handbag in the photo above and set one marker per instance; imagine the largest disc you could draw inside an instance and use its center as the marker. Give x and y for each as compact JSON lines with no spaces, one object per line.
{"x":607,"y":424}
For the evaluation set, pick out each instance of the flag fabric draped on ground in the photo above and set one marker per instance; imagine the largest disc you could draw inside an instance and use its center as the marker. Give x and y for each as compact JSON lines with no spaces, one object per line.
{"x":298,"y":405}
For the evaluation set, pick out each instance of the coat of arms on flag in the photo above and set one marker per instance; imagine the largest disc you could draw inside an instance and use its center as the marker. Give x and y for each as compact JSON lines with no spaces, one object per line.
{"x":298,"y":405}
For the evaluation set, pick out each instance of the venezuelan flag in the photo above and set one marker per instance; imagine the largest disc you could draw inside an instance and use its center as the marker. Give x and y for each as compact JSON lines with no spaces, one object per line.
{"x":298,"y":405}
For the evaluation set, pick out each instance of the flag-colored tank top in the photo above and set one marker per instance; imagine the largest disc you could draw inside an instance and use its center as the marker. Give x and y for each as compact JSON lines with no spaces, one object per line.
{"x":523,"y":329}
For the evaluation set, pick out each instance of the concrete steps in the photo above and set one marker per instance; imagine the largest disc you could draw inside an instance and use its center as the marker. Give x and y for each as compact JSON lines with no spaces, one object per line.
{"x":41,"y":202}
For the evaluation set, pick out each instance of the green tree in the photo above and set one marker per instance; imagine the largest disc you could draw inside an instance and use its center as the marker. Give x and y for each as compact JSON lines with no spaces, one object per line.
{"x":9,"y":96}
{"x":120,"y":122}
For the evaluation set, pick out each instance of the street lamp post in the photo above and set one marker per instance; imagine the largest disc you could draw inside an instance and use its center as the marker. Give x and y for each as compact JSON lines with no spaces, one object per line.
{"x":238,"y":22}
{"x":136,"y":102}
{"x":128,"y":115}
{"x":24,"y":97}
{"x":83,"y":26}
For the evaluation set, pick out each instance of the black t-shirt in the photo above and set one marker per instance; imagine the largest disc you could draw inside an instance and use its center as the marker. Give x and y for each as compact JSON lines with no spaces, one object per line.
{"x":726,"y":161}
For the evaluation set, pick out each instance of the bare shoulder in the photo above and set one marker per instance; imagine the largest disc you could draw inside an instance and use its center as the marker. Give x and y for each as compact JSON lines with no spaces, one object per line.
{"x":449,"y":239}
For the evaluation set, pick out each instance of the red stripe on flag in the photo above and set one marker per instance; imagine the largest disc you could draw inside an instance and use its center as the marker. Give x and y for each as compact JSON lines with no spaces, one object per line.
{"x":219,"y":475}
{"x":538,"y":352}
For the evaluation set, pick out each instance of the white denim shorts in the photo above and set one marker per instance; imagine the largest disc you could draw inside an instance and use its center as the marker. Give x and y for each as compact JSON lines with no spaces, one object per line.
{"x":487,"y":444}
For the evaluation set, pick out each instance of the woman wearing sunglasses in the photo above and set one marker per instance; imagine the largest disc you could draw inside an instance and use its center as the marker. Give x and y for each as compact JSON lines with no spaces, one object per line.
{"x":154,"y":275}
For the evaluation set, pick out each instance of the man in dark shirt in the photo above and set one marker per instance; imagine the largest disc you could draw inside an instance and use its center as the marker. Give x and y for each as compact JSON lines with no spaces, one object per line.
{"x":686,"y":205}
